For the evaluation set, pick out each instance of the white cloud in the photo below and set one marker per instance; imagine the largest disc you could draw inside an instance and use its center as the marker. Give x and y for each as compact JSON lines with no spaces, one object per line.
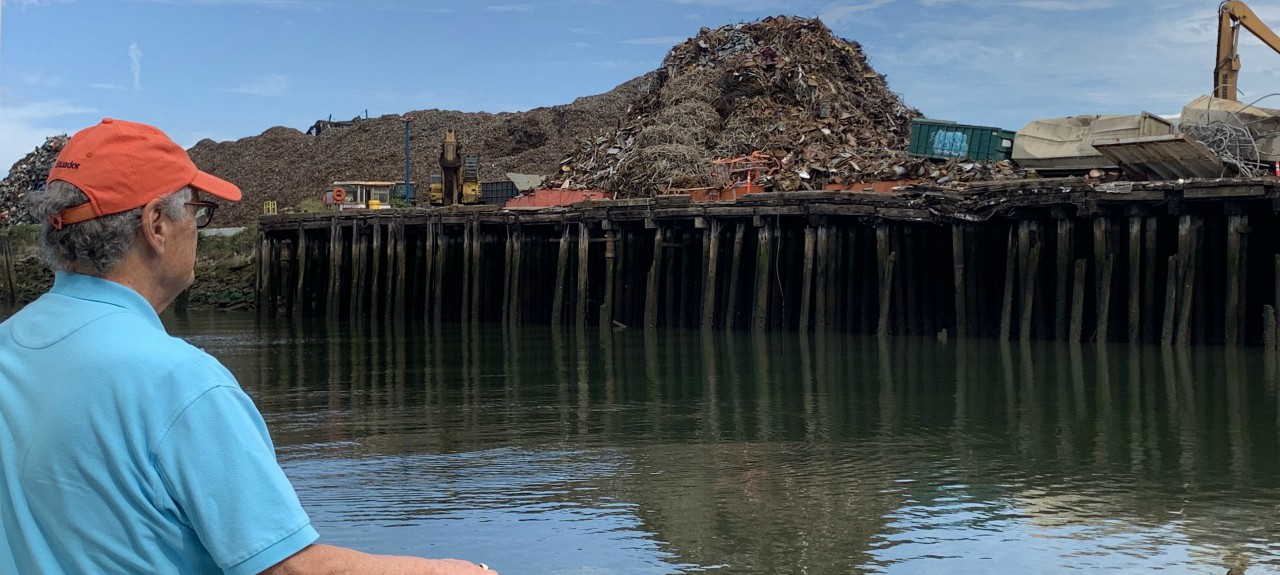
{"x":271,"y":85}
{"x":660,"y":40}
{"x":41,"y":79}
{"x":102,"y":86}
{"x":579,"y":45}
{"x":839,"y":13}
{"x":585,"y":31}
{"x":25,"y":127}
{"x":1041,"y":5}
{"x":135,"y":64}
{"x":509,"y":8}
{"x":264,"y":3}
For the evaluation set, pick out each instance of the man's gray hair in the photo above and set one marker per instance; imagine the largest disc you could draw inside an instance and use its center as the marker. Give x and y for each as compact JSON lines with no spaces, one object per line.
{"x":95,"y":246}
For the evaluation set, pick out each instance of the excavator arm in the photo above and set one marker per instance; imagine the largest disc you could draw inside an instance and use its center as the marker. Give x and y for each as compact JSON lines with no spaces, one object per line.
{"x":1231,"y":16}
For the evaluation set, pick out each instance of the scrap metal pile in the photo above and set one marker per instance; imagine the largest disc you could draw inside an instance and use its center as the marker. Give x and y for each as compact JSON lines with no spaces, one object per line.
{"x":782,"y":85}
{"x":27,"y":174}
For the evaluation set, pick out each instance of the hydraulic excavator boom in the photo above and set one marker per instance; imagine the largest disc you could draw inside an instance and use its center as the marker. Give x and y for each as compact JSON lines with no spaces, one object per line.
{"x":1231,"y":16}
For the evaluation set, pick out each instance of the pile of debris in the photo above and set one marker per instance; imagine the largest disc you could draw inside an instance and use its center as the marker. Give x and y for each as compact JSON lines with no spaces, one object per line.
{"x":782,"y":85}
{"x":26,"y":175}
{"x":291,"y":167}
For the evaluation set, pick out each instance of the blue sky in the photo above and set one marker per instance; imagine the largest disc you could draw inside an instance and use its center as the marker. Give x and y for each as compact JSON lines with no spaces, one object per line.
{"x":228,"y":69}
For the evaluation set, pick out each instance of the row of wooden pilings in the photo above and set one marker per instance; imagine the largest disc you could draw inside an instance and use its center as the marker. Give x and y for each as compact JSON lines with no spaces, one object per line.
{"x":1208,"y":275}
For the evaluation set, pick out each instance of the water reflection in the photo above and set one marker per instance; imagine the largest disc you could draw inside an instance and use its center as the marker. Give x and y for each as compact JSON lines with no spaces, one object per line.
{"x":547,"y":451}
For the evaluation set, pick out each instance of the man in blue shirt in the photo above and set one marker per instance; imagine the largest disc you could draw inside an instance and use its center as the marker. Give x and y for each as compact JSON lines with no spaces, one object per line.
{"x":122,"y":449}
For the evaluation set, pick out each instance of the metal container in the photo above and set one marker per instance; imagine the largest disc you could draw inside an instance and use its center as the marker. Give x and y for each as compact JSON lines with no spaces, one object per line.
{"x":497,"y":193}
{"x":944,"y":140}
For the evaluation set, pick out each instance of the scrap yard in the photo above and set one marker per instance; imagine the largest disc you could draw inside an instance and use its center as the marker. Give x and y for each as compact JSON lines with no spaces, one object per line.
{"x":766,"y":177}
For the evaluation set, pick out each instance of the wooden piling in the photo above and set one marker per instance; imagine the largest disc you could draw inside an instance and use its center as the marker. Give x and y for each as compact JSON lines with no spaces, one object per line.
{"x":1188,"y":239}
{"x":1063,"y":270}
{"x":270,"y":274}
{"x":680,"y":278}
{"x":336,"y":268}
{"x":1171,"y":286}
{"x":428,"y":268}
{"x":711,"y":255}
{"x":375,"y":260}
{"x":1275,"y":272}
{"x":1135,"y":279}
{"x":1231,"y":305}
{"x":477,"y":271}
{"x":1269,"y":330}
{"x":1150,"y":291}
{"x":886,"y":294}
{"x":506,"y":279}
{"x":822,"y":299}
{"x":441,"y":244}
{"x":882,"y":260}
{"x":401,"y":268}
{"x":1006,"y":298}
{"x":584,"y":245}
{"x":731,"y":302}
{"x":764,"y":250}
{"x":651,"y":288}
{"x":1029,"y":292}
{"x":11,"y":283}
{"x":1076,"y":333}
{"x":562,"y":270}
{"x":262,"y":255}
{"x":359,"y":265}
{"x":958,"y":275}
{"x":610,"y":263}
{"x":517,"y":261}
{"x":911,"y":262}
{"x":672,"y":260}
{"x":1104,"y":305}
{"x":1101,"y":248}
{"x":810,"y":238}
{"x":466,"y":272}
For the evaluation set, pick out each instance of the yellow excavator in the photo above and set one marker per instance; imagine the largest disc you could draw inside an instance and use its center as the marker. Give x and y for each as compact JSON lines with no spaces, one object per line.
{"x":459,"y":178}
{"x":1231,"y":17}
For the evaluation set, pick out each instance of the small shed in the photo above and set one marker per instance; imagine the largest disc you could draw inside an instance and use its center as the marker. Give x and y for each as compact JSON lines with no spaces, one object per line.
{"x":360,"y":195}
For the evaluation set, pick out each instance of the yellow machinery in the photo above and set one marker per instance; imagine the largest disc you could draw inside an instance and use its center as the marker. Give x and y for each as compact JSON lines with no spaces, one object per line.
{"x":459,"y":180}
{"x":1231,"y":16}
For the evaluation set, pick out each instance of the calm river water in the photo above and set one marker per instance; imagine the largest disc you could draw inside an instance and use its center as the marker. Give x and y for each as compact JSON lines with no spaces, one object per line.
{"x":673,"y":452}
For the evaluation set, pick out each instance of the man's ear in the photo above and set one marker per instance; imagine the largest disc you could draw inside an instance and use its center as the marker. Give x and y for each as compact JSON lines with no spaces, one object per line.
{"x":156,"y":227}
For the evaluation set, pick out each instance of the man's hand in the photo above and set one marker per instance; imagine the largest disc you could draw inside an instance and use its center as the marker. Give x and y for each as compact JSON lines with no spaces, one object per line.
{"x":330,"y":560}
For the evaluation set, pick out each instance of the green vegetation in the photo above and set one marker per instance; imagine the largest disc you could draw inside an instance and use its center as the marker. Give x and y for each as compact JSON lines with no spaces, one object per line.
{"x":22,"y":235}
{"x":226,"y":247}
{"x":310,"y":205}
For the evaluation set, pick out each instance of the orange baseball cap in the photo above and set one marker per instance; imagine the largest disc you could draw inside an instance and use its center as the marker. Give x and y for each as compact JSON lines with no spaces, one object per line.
{"x":123,"y":165}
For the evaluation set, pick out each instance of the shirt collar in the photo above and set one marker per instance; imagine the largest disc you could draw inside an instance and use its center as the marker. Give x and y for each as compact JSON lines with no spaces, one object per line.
{"x":97,"y":289}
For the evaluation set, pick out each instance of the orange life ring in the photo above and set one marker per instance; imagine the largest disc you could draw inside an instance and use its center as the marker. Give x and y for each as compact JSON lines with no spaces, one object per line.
{"x":339,"y":195}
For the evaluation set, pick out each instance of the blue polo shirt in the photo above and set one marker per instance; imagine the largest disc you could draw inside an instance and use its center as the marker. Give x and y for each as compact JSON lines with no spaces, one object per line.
{"x":125,"y":450}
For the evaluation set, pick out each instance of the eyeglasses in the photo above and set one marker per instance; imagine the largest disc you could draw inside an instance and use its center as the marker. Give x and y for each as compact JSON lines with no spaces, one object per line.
{"x":204,"y":212}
